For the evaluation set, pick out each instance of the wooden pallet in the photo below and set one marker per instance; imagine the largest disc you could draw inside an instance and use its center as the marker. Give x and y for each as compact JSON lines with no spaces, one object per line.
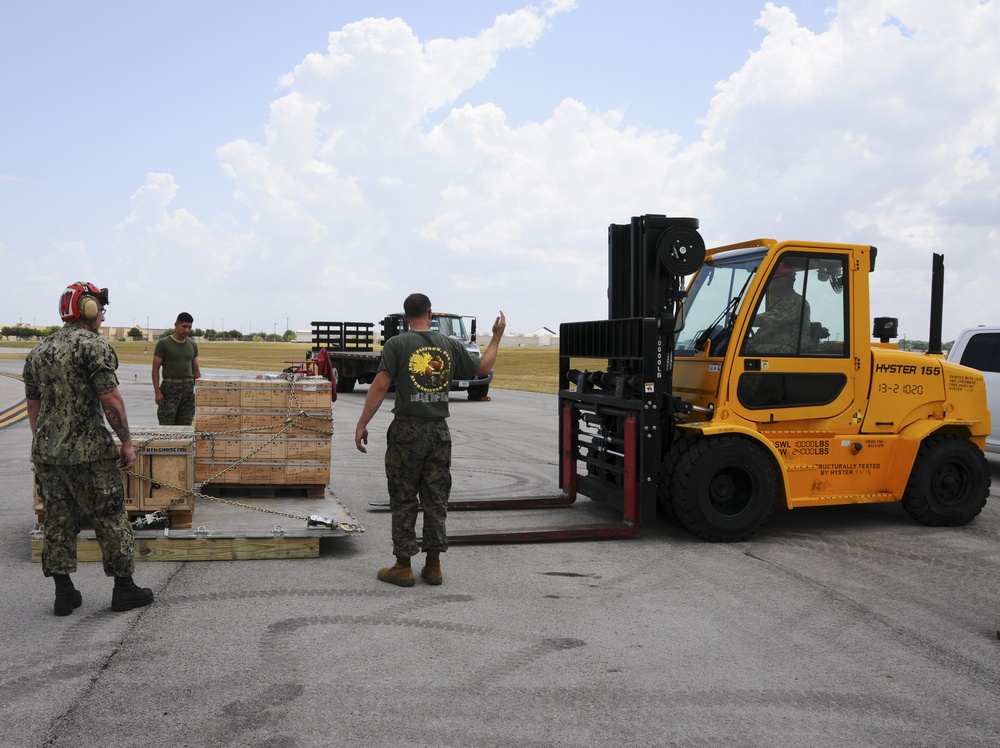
{"x":264,"y":490}
{"x":200,"y":549}
{"x":225,"y":532}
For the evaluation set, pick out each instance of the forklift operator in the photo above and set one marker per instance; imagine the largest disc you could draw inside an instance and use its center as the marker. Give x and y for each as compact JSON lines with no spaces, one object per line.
{"x":783,"y":327}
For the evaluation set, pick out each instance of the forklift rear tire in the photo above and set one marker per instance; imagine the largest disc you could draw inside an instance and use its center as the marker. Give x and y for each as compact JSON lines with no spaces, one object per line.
{"x":478,"y":391}
{"x":723,"y":488}
{"x":949,"y":483}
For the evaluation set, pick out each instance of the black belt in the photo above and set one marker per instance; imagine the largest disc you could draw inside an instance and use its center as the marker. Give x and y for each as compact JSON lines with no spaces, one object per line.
{"x":182,"y":379}
{"x":406,"y":417}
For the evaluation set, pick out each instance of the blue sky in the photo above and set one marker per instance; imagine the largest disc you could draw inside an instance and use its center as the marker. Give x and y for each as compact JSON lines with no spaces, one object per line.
{"x":256,"y":163}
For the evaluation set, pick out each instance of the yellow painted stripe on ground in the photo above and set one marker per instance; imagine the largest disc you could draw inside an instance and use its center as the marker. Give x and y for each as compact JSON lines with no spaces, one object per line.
{"x":16,"y":413}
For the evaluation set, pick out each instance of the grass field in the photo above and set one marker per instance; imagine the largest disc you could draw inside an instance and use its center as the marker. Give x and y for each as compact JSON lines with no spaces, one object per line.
{"x":525,"y":369}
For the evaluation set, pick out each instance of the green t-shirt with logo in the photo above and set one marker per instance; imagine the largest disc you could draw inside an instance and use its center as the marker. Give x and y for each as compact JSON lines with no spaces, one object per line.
{"x":422,"y":366}
{"x":177,"y":357}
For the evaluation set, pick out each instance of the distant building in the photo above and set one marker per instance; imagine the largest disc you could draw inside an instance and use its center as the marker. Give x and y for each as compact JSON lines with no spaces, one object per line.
{"x":543,"y":337}
{"x":121,"y":333}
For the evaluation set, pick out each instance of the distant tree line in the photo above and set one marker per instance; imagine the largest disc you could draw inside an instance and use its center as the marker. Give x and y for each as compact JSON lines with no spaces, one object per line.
{"x":22,"y":332}
{"x":210,"y":334}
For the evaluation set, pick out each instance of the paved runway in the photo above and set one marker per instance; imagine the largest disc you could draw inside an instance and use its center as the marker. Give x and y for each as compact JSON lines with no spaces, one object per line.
{"x":849,"y":626}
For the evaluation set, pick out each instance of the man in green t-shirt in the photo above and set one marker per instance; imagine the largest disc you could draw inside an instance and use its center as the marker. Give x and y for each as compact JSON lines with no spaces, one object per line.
{"x":178,"y":357}
{"x":421,"y":364}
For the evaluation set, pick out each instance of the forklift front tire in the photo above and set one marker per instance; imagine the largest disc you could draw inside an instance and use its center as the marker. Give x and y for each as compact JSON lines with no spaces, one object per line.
{"x":723,"y":487}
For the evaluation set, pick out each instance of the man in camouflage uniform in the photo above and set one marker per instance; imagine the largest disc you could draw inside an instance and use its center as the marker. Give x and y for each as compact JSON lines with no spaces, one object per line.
{"x":70,"y":386}
{"x":783,"y":328}
{"x":178,"y":356}
{"x":421,"y":364}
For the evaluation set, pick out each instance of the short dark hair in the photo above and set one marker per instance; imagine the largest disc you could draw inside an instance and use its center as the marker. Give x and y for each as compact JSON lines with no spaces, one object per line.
{"x":416,"y":305}
{"x":184,"y":317}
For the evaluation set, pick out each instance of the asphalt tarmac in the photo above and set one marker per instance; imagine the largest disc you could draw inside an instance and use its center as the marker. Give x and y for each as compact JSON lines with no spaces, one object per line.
{"x":849,"y":626}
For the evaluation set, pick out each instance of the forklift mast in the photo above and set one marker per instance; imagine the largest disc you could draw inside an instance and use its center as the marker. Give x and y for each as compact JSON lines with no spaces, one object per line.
{"x":619,"y":420}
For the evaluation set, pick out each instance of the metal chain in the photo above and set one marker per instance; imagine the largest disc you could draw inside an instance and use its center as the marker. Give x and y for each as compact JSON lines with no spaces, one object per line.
{"x":311,"y":520}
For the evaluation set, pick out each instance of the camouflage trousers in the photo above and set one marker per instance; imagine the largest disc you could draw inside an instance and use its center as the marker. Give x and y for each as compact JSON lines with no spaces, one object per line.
{"x":91,"y":490}
{"x":418,"y":463}
{"x":178,"y":403}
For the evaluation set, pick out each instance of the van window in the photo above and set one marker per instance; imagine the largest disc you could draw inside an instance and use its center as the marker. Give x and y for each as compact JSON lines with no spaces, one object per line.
{"x":982,"y":352}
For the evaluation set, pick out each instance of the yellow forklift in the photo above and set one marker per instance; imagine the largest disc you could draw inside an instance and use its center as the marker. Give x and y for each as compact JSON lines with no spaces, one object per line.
{"x":756,"y":383}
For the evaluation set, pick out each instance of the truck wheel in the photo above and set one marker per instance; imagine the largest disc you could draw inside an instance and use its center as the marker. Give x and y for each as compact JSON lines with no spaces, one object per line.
{"x":949,"y":483}
{"x":344,"y":384}
{"x":723,"y":488}
{"x":478,"y":392}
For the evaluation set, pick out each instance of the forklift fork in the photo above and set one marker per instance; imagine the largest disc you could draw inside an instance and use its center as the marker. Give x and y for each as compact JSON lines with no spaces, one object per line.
{"x":630,"y":523}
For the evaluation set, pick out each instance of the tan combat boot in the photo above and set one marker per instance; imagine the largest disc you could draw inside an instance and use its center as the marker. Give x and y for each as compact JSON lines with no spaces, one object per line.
{"x":399,"y":573}
{"x":432,"y":568}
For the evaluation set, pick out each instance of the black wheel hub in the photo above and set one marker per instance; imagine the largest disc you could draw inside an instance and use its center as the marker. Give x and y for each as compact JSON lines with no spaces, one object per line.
{"x":730,"y":492}
{"x":950,"y":483}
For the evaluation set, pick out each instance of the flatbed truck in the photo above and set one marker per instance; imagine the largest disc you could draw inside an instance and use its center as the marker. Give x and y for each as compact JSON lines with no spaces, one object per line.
{"x":351,"y":348}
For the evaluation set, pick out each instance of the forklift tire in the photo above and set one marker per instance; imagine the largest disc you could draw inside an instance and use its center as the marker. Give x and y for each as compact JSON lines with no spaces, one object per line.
{"x":478,"y":391}
{"x":949,"y":483}
{"x":723,"y":488}
{"x":664,"y":506}
{"x":664,"y":496}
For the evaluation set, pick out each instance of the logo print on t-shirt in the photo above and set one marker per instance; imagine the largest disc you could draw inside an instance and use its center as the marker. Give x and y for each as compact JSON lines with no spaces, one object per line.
{"x":430,"y":369}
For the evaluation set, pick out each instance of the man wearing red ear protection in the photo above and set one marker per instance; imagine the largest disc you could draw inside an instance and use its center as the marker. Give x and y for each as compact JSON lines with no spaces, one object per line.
{"x":71,"y":388}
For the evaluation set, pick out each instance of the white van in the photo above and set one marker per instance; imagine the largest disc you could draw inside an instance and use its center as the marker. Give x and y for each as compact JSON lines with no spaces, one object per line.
{"x":979,"y":348}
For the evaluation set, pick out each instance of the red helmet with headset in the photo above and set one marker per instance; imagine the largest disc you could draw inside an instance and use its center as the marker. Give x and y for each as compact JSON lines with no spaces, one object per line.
{"x":82,"y":300}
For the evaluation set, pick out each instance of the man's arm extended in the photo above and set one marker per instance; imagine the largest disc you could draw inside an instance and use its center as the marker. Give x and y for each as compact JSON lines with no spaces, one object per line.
{"x":490,"y":354}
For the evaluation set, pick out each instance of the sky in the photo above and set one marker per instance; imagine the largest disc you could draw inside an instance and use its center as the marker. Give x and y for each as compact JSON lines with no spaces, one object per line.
{"x":262,"y":165}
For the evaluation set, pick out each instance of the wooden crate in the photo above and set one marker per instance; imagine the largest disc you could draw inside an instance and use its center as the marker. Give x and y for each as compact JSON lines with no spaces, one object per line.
{"x":226,"y":422}
{"x":216,"y":420}
{"x":263,"y":448}
{"x":286,"y":473}
{"x":164,"y":456}
{"x":216,"y":393}
{"x":251,"y":393}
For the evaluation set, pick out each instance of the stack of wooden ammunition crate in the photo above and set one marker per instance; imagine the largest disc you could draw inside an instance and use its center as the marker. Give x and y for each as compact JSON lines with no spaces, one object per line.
{"x":263,"y":432}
